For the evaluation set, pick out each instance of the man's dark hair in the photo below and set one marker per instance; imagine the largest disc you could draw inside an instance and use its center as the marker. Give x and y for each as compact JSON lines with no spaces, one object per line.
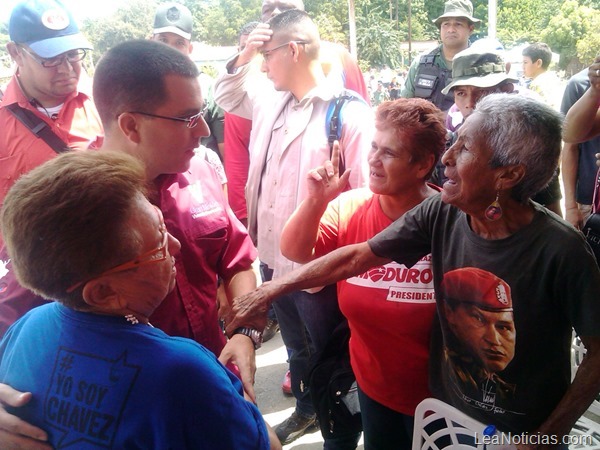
{"x":247,"y":29}
{"x":287,"y":19}
{"x":295,"y":24}
{"x":539,"y":50}
{"x":131,"y":77}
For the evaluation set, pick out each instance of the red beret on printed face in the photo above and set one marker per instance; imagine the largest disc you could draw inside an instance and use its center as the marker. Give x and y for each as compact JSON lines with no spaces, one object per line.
{"x":478,"y":287}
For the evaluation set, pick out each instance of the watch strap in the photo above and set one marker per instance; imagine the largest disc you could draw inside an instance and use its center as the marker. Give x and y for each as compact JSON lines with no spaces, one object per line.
{"x":253,"y":334}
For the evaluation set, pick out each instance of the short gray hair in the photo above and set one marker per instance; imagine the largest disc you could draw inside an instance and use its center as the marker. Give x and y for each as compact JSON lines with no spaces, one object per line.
{"x":522,"y":130}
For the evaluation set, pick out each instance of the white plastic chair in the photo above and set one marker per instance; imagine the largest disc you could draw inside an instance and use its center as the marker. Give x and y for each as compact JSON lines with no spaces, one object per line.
{"x":577,"y":353}
{"x":441,"y":426}
{"x":590,"y":433}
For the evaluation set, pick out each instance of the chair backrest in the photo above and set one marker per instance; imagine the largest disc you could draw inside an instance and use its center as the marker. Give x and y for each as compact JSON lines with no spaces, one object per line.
{"x":585,"y":435}
{"x":441,"y":426}
{"x":577,"y":354}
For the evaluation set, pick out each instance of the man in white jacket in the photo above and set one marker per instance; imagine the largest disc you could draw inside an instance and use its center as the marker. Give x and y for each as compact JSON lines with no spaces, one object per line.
{"x":288,"y":139}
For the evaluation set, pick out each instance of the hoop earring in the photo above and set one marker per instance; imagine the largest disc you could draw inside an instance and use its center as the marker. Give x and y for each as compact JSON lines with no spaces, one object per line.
{"x":494,"y":211}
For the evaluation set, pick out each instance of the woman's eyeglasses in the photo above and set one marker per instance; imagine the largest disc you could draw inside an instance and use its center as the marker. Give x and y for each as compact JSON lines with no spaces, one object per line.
{"x":153,"y":256}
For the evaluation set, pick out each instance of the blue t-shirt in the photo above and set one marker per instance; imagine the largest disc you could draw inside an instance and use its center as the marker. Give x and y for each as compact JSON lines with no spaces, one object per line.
{"x":101,"y":382}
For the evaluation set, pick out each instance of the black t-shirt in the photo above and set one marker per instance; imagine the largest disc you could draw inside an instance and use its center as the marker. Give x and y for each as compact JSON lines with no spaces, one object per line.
{"x":554,"y":285}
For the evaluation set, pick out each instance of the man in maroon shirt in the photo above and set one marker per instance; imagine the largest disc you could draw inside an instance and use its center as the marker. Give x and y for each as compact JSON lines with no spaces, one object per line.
{"x":150,"y":103}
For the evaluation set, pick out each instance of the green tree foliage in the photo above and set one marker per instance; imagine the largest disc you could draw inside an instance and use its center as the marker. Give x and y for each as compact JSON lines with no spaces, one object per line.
{"x":132,"y":21}
{"x":523,"y":21}
{"x":331,"y":18}
{"x":574,"y":23}
{"x":422,"y":26}
{"x":218,"y":22}
{"x":378,"y":41}
{"x":589,"y":46}
{"x":570,"y":27}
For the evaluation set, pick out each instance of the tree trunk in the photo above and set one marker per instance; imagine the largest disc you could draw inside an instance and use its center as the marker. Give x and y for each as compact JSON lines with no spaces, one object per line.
{"x":352,"y":26}
{"x":409,"y":4}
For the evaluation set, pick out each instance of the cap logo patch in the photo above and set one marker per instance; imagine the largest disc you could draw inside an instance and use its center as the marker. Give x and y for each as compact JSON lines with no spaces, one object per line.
{"x":501,"y":294}
{"x":55,"y":19}
{"x":173,"y":15}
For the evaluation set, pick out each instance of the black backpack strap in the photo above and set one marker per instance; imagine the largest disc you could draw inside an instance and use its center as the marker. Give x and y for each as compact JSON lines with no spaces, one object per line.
{"x":335,"y":125}
{"x":38,"y":127}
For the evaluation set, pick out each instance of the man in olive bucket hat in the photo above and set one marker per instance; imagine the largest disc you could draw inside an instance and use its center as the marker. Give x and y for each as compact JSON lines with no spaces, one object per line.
{"x":432,"y":72}
{"x":475,"y":74}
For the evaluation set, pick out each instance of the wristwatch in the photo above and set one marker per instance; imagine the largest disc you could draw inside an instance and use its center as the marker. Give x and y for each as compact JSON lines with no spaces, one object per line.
{"x":253,"y":334}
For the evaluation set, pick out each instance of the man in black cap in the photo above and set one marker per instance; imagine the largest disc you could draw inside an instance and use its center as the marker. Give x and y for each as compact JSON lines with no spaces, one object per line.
{"x":430,"y":73}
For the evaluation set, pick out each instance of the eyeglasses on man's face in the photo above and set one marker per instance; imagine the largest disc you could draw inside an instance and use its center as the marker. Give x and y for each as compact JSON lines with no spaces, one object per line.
{"x":153,"y":256}
{"x":191,"y":121}
{"x":267,"y":53}
{"x":72,"y":56}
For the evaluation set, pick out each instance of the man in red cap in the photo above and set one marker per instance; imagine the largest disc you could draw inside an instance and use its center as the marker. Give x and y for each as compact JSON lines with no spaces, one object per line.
{"x":482,"y":336}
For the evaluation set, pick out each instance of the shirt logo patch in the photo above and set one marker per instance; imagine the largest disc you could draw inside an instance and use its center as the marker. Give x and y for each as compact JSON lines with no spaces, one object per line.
{"x":408,"y":285}
{"x":81,"y":404}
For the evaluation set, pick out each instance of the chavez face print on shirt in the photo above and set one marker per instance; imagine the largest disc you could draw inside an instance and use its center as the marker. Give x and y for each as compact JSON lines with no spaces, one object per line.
{"x":481,"y":335}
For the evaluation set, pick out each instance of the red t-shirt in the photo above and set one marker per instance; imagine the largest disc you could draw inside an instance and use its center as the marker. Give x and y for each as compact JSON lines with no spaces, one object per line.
{"x":237,"y":161}
{"x":77,"y":124}
{"x":389,"y":308}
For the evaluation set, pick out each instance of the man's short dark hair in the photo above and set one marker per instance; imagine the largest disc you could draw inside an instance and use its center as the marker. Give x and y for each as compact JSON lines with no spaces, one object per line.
{"x":287,"y":19}
{"x":539,"y":50}
{"x":131,"y":77}
{"x":297,"y":25}
{"x":247,"y":29}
